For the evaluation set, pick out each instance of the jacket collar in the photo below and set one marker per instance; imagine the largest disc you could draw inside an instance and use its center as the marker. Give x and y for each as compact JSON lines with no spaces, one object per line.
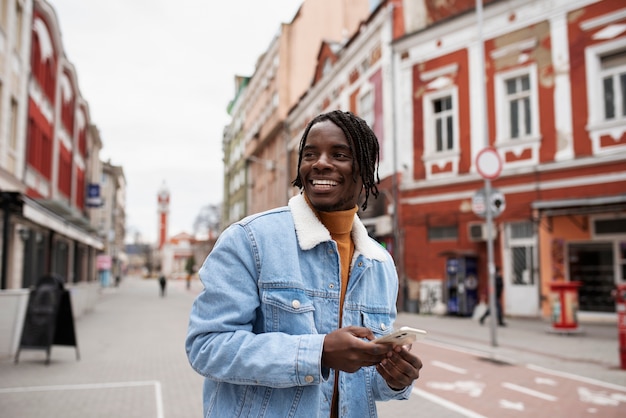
{"x":311,"y":232}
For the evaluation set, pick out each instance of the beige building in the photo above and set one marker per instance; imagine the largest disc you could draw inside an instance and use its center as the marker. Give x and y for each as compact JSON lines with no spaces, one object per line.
{"x":110,"y":218}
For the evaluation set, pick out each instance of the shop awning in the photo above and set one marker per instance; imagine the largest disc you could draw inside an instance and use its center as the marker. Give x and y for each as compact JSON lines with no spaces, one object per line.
{"x":580,"y":206}
{"x":39,"y":214}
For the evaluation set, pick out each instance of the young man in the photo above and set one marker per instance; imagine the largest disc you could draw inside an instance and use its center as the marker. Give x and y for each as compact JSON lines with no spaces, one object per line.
{"x":294,"y":295}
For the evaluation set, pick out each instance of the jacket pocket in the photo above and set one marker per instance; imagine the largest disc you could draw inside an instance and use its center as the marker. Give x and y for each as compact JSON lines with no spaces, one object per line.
{"x":288,"y":310}
{"x":380,"y":324}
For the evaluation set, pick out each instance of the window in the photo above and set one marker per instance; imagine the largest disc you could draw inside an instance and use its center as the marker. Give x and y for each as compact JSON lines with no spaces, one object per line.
{"x":606,"y":227}
{"x":613,"y":74}
{"x":366,"y":106}
{"x":444,"y":131}
{"x":518,"y":98}
{"x":523,"y":258}
{"x":518,"y":110}
{"x":606,"y":94}
{"x":12,"y":148}
{"x":443,"y":233}
{"x":65,"y":171}
{"x":440,"y":122}
{"x":328,"y":65}
{"x":18,"y":26}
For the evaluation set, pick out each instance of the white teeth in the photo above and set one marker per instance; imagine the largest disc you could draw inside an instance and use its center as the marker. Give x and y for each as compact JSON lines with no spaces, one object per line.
{"x":324,"y":183}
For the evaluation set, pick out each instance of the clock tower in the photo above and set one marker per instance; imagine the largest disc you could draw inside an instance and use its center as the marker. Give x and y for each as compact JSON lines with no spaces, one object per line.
{"x":163,"y":210}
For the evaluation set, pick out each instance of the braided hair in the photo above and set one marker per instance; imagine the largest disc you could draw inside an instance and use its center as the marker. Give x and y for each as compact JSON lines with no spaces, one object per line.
{"x":363,"y":144}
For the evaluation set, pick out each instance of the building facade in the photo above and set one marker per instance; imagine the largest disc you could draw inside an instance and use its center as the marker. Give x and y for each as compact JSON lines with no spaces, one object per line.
{"x":110,"y":218}
{"x":541,"y":83}
{"x":50,"y":169}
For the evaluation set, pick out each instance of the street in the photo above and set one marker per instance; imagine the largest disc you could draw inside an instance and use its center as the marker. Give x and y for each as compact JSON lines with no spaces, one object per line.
{"x":493,"y":388}
{"x":132,"y":364}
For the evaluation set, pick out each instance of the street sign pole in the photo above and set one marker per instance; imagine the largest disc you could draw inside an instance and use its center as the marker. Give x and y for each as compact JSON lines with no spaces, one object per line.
{"x":491,"y":268}
{"x":488,"y":162}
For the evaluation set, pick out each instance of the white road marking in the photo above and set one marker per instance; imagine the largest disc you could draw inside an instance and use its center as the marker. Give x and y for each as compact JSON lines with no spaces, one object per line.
{"x":91,"y":386}
{"x":472,"y":388}
{"x":448,"y":367}
{"x":530,"y":392}
{"x":545,"y":381}
{"x":446,"y":404}
{"x":576,"y":377}
{"x":518,"y":406}
{"x":600,"y":397}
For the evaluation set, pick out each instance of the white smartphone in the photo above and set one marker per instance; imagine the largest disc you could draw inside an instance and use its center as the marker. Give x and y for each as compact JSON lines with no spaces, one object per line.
{"x":402,"y":336}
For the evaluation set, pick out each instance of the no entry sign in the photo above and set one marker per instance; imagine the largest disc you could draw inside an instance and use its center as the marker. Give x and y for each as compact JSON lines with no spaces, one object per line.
{"x":488,"y":163}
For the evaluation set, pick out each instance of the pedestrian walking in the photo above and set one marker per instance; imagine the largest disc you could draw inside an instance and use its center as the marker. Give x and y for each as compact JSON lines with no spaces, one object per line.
{"x":499,"y":288}
{"x":293,"y":296}
{"x":190,"y":267}
{"x":162,"y":284}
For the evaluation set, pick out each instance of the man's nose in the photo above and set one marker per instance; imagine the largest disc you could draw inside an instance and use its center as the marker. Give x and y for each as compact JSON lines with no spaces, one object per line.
{"x":322,"y":162}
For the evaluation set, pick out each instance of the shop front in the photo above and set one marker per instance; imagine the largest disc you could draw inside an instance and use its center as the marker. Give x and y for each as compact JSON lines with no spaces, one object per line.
{"x":584,"y":242}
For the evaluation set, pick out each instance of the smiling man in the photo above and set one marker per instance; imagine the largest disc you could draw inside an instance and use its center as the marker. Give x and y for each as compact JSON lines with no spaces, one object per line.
{"x":293,"y":296}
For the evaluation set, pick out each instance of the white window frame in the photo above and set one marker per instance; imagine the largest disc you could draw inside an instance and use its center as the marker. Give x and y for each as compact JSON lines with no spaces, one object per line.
{"x":433,"y":158}
{"x":503,"y":117}
{"x":431,"y":117}
{"x":597,"y":125}
{"x":366,"y":109}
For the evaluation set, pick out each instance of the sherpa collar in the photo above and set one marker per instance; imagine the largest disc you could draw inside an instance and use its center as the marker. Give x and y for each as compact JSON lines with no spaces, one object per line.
{"x":311,"y":232}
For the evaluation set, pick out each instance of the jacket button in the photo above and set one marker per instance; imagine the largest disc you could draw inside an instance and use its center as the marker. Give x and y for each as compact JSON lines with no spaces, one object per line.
{"x":295,"y":303}
{"x":309,"y":379}
{"x":383,"y":327}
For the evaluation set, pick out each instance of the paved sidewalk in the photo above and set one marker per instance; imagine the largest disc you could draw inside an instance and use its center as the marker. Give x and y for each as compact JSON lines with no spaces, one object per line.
{"x":133,"y":362}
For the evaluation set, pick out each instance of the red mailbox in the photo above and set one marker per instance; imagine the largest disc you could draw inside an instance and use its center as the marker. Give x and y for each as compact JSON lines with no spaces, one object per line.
{"x":620,"y":302}
{"x":564,"y":304}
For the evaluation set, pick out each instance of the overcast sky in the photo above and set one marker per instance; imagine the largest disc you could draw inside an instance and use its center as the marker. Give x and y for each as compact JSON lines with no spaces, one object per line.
{"x":158,"y":76}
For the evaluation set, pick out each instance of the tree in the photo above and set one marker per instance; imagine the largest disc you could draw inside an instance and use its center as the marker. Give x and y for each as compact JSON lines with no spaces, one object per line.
{"x":207,"y":222}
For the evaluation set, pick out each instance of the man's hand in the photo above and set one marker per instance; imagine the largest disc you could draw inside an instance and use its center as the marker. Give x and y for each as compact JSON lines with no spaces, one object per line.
{"x":345,"y":350}
{"x":400,"y":368}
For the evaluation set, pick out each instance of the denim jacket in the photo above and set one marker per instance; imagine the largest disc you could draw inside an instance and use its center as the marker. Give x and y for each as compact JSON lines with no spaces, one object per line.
{"x":256,"y":332}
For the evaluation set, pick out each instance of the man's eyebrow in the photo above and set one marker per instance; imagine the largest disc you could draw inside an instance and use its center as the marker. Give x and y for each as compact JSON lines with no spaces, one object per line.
{"x":342,"y":147}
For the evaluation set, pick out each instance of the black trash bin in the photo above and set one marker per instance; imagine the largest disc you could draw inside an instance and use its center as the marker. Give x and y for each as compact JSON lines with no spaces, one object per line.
{"x":49,"y":319}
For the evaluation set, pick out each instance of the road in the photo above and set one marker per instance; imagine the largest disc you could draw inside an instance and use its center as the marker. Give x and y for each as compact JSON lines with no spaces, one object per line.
{"x":477,"y":386}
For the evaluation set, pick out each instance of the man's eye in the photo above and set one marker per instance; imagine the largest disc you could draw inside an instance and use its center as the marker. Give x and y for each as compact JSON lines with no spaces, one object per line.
{"x":342,"y":156}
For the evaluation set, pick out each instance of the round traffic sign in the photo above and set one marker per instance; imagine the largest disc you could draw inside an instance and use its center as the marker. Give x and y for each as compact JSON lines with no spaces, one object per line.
{"x":495,"y":202}
{"x":479,"y":206}
{"x":489,"y":163}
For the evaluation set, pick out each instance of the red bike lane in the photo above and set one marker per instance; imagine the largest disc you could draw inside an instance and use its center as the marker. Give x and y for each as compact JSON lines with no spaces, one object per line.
{"x":478,"y":386}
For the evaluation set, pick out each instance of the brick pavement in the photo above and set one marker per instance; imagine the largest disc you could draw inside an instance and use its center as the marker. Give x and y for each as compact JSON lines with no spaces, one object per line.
{"x":133,"y":362}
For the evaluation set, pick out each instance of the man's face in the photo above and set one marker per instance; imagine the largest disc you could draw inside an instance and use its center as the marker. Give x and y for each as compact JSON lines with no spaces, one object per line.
{"x":326,"y":169}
